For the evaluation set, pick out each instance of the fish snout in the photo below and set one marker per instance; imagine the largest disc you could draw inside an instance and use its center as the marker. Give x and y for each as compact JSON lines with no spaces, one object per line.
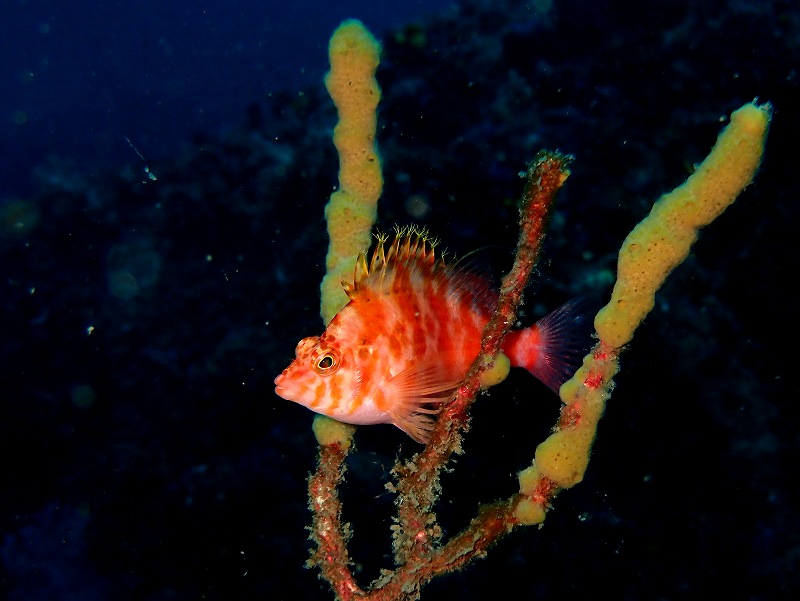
{"x":281,"y":383}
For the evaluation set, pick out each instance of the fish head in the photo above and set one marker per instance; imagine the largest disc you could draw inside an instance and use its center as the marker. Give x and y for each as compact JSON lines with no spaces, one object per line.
{"x":322,"y":377}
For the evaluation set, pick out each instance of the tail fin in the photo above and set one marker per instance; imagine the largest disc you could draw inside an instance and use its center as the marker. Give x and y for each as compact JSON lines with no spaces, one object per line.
{"x":552,"y":349}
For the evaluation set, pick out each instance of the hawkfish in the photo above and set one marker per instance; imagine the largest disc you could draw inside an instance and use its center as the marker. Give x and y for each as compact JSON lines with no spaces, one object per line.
{"x":408,"y":336}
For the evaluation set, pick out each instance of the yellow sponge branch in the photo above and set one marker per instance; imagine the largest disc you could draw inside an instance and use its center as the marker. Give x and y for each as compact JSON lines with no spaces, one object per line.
{"x":662,"y":240}
{"x":354,"y":55}
{"x":651,"y":251}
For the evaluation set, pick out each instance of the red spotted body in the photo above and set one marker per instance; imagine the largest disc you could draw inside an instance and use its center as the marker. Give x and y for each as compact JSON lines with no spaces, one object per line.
{"x":408,"y":336}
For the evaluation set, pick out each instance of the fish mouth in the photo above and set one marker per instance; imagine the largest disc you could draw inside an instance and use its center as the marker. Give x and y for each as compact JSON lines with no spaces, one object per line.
{"x":288,"y":389}
{"x":280,"y":390}
{"x":285,"y":393}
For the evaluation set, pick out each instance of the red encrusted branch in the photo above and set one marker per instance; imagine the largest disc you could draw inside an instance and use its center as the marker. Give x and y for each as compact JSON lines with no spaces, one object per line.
{"x":419,"y":477}
{"x":331,"y":553}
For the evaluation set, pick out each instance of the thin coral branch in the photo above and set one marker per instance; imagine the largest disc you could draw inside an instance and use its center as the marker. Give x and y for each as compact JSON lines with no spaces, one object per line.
{"x":327,"y":530}
{"x":418,"y":479}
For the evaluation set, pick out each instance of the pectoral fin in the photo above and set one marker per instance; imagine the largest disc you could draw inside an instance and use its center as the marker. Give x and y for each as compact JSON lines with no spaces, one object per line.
{"x":416,"y":394}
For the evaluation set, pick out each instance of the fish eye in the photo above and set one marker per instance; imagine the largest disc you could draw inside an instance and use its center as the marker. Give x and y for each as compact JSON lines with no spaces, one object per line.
{"x":327,"y":363}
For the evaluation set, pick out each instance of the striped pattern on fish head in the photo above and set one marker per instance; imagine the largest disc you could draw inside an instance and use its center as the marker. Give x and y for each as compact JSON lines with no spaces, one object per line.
{"x":321,"y":377}
{"x":341,"y":374}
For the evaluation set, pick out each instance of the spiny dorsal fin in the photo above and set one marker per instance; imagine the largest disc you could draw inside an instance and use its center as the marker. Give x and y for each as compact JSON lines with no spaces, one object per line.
{"x":411,"y":247}
{"x":410,"y":255}
{"x":360,"y":273}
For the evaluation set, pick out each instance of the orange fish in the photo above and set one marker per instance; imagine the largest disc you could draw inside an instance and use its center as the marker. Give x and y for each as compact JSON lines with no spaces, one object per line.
{"x":408,"y":336}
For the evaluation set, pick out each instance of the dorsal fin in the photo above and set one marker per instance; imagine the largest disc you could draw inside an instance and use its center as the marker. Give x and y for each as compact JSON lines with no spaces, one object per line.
{"x":410,"y":255}
{"x":360,"y":274}
{"x":411,"y":247}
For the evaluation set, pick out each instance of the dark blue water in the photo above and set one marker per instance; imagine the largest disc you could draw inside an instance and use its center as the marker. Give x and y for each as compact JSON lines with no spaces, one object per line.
{"x":79,"y":77}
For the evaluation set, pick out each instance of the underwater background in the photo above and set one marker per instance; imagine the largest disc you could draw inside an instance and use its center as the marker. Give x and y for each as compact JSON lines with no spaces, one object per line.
{"x":164,"y":169}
